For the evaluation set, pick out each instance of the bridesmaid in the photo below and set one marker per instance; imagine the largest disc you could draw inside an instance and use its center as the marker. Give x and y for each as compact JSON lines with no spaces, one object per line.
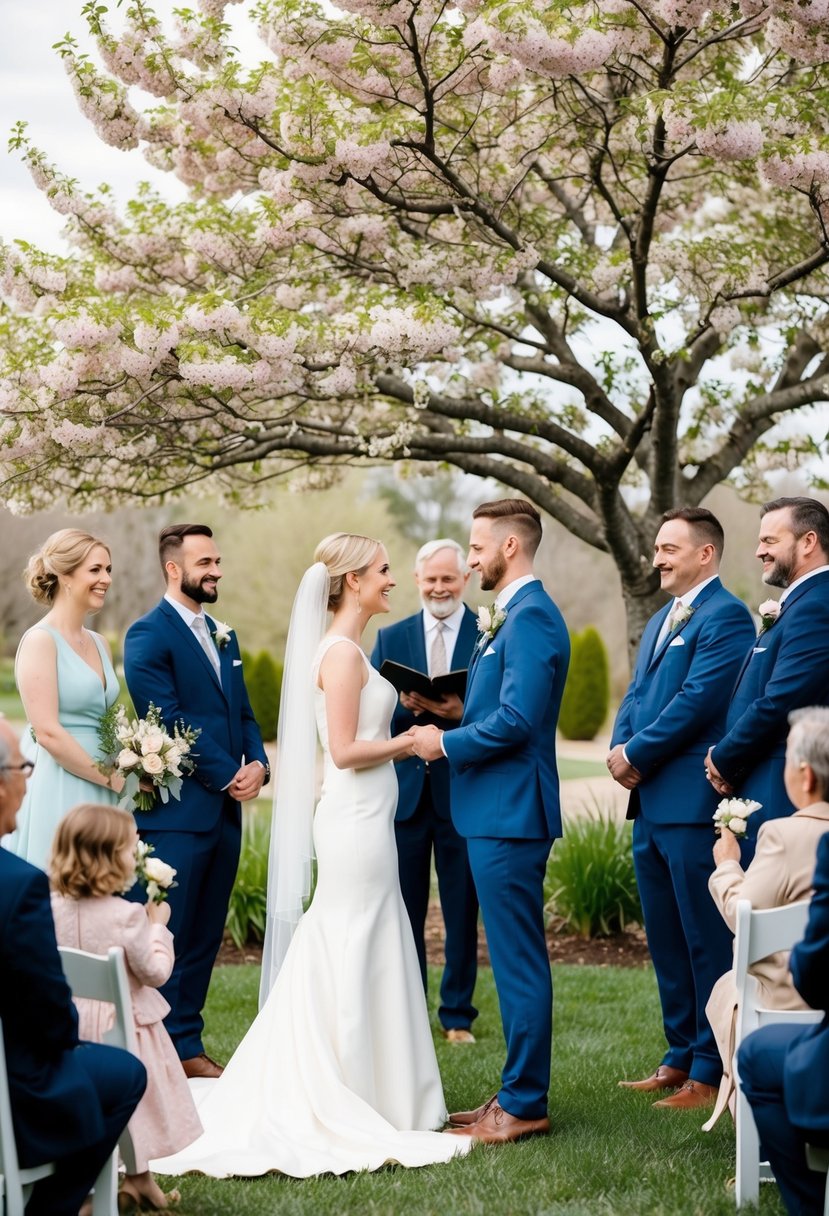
{"x":66,"y":681}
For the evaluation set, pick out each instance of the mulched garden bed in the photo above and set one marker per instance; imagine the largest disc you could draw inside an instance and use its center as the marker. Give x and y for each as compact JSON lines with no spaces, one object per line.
{"x":619,"y":950}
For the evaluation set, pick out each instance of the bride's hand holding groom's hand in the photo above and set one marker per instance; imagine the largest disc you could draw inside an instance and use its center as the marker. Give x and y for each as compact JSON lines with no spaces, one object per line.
{"x":426,"y":742}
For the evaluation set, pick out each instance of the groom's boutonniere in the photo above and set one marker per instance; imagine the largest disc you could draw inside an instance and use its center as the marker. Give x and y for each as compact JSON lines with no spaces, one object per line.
{"x":221,"y":633}
{"x":769,"y":612}
{"x":681,"y":614}
{"x":490,"y":621}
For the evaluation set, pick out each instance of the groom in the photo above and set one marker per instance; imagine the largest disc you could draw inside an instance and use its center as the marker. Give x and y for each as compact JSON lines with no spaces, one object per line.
{"x":505,"y":801}
{"x":189,"y":667}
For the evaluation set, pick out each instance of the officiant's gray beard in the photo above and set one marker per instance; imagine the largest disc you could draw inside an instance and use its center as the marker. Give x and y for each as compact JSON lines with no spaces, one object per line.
{"x":441,"y":609}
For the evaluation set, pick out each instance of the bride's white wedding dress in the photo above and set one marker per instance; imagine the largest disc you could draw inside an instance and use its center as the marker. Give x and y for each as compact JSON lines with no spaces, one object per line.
{"x":338,"y":1071}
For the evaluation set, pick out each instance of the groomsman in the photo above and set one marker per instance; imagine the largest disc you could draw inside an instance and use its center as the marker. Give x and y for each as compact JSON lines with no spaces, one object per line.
{"x":188,"y":665}
{"x":505,"y":801}
{"x":691,"y":651}
{"x":436,"y":640}
{"x":788,"y":665}
{"x":70,"y":1100}
{"x":783,"y":1068}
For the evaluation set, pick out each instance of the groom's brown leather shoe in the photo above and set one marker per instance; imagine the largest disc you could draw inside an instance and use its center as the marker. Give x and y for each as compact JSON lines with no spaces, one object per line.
{"x":201,"y":1066}
{"x":464,"y":1118}
{"x":498,"y":1126}
{"x":692,"y":1096}
{"x":665,"y":1077}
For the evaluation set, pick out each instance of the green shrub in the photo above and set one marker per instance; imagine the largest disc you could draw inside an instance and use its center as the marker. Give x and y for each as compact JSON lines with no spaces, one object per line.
{"x":248,"y":900}
{"x":590,"y":885}
{"x":586,"y":697}
{"x":263,"y":678}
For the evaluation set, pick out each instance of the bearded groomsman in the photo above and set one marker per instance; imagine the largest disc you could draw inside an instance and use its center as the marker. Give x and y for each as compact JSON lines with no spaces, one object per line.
{"x":787,"y":667}
{"x":188,"y":665}
{"x":505,"y":801}
{"x":436,"y":640}
{"x":691,"y":651}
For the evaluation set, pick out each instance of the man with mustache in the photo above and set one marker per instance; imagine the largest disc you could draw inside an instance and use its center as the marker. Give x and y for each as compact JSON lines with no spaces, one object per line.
{"x":787,"y":667}
{"x":436,"y":640}
{"x":189,"y":666}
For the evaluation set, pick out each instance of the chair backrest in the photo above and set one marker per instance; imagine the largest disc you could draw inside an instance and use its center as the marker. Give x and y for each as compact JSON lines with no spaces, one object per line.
{"x":102,"y":977}
{"x":763,"y":931}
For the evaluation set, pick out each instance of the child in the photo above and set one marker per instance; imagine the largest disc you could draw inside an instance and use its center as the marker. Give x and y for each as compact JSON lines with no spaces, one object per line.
{"x":92,"y":864}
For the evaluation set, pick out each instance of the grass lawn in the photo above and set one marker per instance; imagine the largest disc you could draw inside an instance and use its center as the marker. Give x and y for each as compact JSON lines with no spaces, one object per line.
{"x":569,"y":770}
{"x":609,"y":1152}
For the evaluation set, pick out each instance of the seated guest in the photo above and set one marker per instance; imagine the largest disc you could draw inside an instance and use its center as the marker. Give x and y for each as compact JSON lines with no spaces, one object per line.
{"x":781,"y":873}
{"x":783,"y":1068}
{"x":70,"y":1100}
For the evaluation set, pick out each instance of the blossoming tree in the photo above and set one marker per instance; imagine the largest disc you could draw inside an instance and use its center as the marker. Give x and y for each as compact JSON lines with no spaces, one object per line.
{"x":576,"y":245}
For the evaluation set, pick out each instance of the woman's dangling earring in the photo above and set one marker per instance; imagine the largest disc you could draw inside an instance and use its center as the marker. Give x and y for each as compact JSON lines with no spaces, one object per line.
{"x":359,"y":605}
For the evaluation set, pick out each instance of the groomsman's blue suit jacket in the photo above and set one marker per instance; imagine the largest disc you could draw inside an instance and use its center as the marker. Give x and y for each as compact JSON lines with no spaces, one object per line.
{"x":55,"y":1105}
{"x":787,"y":668}
{"x":503,"y":756}
{"x":675,"y":707}
{"x":405,"y":643}
{"x":165,"y":664}
{"x":806,"y":1069}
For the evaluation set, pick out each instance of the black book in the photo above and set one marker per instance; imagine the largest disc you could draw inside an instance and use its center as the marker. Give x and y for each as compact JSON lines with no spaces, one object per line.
{"x":406,"y":679}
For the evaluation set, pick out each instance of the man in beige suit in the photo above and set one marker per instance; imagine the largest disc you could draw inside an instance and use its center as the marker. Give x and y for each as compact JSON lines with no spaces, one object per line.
{"x":781,"y":873}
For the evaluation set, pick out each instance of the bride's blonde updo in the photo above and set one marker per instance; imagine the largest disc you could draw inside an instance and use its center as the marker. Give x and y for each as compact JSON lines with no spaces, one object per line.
{"x":343,"y":553}
{"x":61,"y":553}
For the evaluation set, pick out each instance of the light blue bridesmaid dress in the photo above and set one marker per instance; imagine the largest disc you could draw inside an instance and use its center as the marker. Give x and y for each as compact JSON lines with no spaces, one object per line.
{"x":52,"y":791}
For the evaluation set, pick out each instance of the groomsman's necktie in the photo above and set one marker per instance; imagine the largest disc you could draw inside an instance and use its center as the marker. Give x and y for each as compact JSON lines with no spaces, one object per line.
{"x":438,"y":665}
{"x":207,"y":645}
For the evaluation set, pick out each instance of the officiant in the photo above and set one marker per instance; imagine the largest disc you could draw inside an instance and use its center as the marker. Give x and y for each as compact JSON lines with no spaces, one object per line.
{"x":435,"y":641}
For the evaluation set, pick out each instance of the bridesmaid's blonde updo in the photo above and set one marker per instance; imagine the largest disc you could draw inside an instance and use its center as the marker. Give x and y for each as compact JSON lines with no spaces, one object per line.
{"x":343,"y":553}
{"x":62,"y":553}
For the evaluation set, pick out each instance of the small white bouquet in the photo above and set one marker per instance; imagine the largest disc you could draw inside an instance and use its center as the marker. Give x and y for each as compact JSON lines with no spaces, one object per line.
{"x":145,"y":754}
{"x":732,"y":813}
{"x":153,"y":874}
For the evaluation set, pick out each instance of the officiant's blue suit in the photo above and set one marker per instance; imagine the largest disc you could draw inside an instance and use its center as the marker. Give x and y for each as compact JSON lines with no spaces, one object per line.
{"x":422,"y":821}
{"x":70,"y":1100}
{"x":784,"y":1069}
{"x":672,"y":712}
{"x":199,"y":835}
{"x":505,"y":801}
{"x":786,"y":668}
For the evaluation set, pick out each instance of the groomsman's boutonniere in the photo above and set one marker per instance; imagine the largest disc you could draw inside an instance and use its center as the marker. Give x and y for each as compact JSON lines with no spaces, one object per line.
{"x":769,"y":612}
{"x":681,"y":614}
{"x":221,"y":633}
{"x":490,"y":621}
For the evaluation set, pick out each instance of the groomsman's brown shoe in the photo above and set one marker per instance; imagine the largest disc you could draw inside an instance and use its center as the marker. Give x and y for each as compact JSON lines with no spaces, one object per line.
{"x":464,"y":1118}
{"x":498,"y":1126}
{"x":201,"y":1066}
{"x":459,"y":1034}
{"x":665,"y":1077}
{"x":692,"y":1096}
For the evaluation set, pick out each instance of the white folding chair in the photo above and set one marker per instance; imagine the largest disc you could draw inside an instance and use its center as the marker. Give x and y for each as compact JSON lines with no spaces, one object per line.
{"x":102,"y":977}
{"x":15,"y":1182}
{"x":760,"y":932}
{"x":817,"y":1158}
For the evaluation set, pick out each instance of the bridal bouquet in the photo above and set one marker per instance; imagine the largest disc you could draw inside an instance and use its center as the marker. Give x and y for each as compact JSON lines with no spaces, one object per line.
{"x":732,"y":813}
{"x":146,"y":755}
{"x":153,"y":874}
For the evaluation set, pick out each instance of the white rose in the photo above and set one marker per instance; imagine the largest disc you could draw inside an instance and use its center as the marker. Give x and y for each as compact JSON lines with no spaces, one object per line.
{"x":484,"y":620}
{"x":737,"y":826}
{"x":770,"y":608}
{"x":159,"y":872}
{"x":153,"y":764}
{"x":153,"y":742}
{"x":740,"y":811}
{"x":127,"y":758}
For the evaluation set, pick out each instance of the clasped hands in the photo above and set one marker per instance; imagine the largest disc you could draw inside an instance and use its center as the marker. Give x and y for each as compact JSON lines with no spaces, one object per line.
{"x":621,"y":769}
{"x":248,"y":782}
{"x":450,"y":706}
{"x":715,"y":776}
{"x":425,"y":742}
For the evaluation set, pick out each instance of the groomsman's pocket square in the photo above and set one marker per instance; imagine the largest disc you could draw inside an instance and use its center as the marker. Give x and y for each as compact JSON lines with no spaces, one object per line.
{"x":489,"y":650}
{"x":759,"y":650}
{"x":237,"y":662}
{"x":677,"y":642}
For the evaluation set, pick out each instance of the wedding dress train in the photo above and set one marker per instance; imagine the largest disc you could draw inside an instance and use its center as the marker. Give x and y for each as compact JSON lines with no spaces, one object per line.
{"x":338,"y":1071}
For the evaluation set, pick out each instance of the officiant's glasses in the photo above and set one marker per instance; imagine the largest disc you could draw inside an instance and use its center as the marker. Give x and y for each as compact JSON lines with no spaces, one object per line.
{"x":26,"y":768}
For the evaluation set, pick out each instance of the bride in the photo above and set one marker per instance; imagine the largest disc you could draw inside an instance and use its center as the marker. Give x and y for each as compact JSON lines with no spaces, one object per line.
{"x":338,"y":1071}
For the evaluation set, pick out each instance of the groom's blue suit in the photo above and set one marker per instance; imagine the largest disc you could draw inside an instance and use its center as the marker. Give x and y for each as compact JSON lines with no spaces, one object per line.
{"x":505,"y":801}
{"x":672,"y":712}
{"x":200,"y":835}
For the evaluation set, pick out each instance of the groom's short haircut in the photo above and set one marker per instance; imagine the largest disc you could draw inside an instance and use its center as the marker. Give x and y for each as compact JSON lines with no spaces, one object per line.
{"x":705,"y":528}
{"x":519,"y":516}
{"x":170,"y":540}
